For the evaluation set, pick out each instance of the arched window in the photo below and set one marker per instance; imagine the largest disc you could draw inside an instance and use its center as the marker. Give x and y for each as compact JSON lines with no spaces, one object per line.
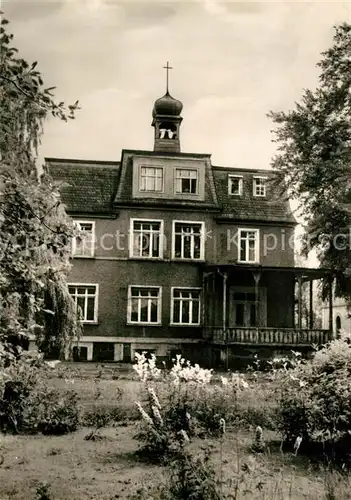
{"x":338,"y":323}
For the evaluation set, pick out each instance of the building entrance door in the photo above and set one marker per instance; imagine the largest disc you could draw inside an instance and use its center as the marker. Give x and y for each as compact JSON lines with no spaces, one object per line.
{"x":242,"y":308}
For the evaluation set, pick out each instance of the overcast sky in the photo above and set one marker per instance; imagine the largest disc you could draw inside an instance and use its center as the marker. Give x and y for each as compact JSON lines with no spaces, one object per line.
{"x":233,"y":62}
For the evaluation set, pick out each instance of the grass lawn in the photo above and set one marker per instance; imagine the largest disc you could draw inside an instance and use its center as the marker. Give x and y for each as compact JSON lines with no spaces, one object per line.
{"x":106,"y":469}
{"x":77,"y":469}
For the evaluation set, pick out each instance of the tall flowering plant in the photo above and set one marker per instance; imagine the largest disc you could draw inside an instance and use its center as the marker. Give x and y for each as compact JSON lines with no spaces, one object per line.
{"x":190,"y":399}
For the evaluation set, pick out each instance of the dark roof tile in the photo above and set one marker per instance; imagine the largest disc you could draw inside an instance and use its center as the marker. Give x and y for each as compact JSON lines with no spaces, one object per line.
{"x":86,"y":187}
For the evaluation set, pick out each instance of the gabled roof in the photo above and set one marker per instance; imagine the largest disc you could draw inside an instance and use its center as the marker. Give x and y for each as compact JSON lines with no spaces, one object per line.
{"x":271,"y":208}
{"x":85,"y":186}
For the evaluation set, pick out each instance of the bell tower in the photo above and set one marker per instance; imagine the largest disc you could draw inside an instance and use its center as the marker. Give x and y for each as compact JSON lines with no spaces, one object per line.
{"x":166,"y":120}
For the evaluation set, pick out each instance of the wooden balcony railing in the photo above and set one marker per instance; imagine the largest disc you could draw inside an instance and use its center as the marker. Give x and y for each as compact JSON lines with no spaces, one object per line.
{"x":267,"y":336}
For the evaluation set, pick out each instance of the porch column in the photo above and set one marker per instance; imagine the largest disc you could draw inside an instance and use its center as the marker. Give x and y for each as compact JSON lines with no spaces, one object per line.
{"x":224,"y":316}
{"x":299,"y":322}
{"x":311,"y":304}
{"x":330,"y":297}
{"x":257,"y":277}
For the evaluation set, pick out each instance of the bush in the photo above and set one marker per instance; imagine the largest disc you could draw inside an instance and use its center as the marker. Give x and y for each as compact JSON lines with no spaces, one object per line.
{"x":188,"y":477}
{"x":27,"y":404}
{"x":315,"y":400}
{"x":51,"y":411}
{"x":187,"y":403}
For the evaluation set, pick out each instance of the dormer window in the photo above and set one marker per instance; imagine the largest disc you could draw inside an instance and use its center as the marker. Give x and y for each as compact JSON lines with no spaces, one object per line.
{"x":259,"y":186}
{"x":235,"y":185}
{"x":186,"y":181}
{"x":151,"y":179}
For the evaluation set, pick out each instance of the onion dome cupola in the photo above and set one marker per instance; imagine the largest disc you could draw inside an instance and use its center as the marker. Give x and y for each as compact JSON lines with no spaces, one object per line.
{"x":166,"y":121}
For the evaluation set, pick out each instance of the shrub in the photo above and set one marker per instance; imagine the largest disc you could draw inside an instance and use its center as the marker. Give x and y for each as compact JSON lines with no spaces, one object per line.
{"x":193,"y":478}
{"x":159,"y":435}
{"x":188,"y":477}
{"x":51,"y":411}
{"x":27,"y":404}
{"x":315,"y":401}
{"x":189,"y":400}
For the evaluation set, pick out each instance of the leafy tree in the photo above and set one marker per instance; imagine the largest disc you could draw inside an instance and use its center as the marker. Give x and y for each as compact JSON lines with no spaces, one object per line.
{"x":35,"y":230}
{"x":313,"y":162}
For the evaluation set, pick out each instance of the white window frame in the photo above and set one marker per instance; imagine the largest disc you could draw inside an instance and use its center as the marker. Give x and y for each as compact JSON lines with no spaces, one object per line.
{"x":96,"y":303}
{"x":156,"y":167}
{"x":74,"y":241}
{"x":131,"y":238}
{"x":129,"y":306}
{"x":257,"y":245}
{"x":202,"y":240}
{"x":255,"y":186}
{"x":186,"y":288}
{"x":230,"y":179}
{"x":189,"y":169}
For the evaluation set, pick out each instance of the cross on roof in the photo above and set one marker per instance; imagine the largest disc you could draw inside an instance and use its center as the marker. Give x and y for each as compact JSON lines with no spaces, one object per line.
{"x":167,"y":68}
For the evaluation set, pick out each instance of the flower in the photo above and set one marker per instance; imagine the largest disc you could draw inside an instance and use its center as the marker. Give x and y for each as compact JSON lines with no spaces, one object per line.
{"x":184,"y":435}
{"x":145,"y":416}
{"x":157,"y":414}
{"x":244,"y":384}
{"x":224,"y":380}
{"x":154,"y":397}
{"x":222,"y":425}
{"x":297,"y":444}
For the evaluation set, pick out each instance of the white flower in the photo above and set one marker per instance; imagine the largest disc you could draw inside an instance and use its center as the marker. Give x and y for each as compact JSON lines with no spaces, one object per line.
{"x":222,"y":425}
{"x":157,"y":415}
{"x":145,"y":416}
{"x":244,"y":384}
{"x":184,"y":435}
{"x":224,"y":380}
{"x":154,"y":397}
{"x":297,"y":444}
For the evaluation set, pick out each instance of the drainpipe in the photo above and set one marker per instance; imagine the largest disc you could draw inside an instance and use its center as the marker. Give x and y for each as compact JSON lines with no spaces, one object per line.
{"x":257,"y":277}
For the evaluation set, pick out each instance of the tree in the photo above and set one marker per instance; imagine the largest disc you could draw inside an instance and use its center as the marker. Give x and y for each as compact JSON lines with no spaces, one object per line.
{"x":313,"y":162}
{"x":35,"y":230}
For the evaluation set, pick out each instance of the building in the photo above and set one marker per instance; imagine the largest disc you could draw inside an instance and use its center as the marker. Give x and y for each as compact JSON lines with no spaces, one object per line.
{"x":179,"y":255}
{"x":341,"y":317}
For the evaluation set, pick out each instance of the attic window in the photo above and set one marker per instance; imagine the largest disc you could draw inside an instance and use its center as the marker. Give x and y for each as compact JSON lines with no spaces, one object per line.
{"x":235,"y":185}
{"x":151,"y":179}
{"x":259,"y":186}
{"x":186,"y":181}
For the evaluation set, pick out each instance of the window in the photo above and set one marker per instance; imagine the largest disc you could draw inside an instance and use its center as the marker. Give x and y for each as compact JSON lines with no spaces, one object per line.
{"x":259,"y":186}
{"x":151,"y":179}
{"x":338,"y":323}
{"x":249,"y":245}
{"x":185,"y":181}
{"x":185,"y":306}
{"x":244,"y":308}
{"x":146,"y":238}
{"x":83,"y":244}
{"x":144,"y":305}
{"x":86,"y":301}
{"x":235,"y":185}
{"x":188,"y":240}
